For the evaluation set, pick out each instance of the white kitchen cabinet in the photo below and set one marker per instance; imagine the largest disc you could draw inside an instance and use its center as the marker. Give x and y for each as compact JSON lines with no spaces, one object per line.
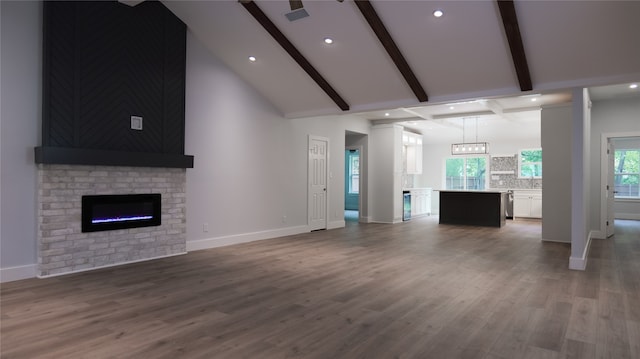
{"x":527,"y":204}
{"x":420,"y":202}
{"x":412,"y":146}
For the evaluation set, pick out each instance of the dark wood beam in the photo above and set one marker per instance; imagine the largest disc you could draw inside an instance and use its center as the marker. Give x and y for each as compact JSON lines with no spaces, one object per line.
{"x":271,"y":28}
{"x":381,"y":32}
{"x":512,"y":30}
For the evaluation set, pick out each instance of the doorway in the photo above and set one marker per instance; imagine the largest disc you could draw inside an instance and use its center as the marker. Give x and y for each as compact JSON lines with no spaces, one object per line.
{"x":352,"y":185}
{"x":355,"y":177}
{"x":609,"y":179}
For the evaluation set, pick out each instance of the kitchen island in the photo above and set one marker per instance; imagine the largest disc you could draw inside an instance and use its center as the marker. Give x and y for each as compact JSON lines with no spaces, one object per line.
{"x":477,"y":208}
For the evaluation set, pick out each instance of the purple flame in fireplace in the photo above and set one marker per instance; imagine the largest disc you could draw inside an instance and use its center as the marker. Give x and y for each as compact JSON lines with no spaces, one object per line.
{"x":108,"y":212}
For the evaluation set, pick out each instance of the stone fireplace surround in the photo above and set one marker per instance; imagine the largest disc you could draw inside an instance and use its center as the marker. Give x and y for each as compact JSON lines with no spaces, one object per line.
{"x":64,"y":248}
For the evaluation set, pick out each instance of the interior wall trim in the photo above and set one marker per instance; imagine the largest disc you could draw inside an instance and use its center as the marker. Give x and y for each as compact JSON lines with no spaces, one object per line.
{"x":11,"y":274}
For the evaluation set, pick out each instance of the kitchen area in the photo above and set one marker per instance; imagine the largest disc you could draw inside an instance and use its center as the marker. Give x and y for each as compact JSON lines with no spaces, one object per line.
{"x":511,"y":188}
{"x":473,"y":146}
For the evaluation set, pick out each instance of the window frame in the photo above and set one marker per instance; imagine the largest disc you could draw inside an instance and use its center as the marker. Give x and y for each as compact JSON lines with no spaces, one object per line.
{"x":486,"y":176}
{"x":519,"y":160}
{"x":615,"y":174}
{"x":351,"y":175}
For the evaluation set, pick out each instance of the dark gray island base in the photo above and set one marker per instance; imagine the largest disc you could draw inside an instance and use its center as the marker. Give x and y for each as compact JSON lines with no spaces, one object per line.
{"x":477,"y":208}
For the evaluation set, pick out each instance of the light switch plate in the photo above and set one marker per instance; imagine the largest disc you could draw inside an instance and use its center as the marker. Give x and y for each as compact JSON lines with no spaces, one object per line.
{"x":136,"y":123}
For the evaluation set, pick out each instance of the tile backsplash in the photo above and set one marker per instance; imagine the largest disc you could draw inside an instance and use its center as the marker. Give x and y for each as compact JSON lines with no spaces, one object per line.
{"x":503,"y":174}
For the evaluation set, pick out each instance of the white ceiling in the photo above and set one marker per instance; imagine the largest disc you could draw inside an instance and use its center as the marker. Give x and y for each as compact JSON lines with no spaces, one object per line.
{"x":462,"y":55}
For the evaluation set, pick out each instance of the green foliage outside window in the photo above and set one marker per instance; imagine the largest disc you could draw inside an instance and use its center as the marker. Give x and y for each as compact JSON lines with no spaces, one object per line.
{"x":466,"y":173}
{"x":627,"y":173}
{"x":530,"y":163}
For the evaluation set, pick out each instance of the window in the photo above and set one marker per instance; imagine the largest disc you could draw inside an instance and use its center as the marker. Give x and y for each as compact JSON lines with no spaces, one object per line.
{"x":626,"y":174}
{"x":530,"y":163}
{"x":466,"y":173}
{"x":354,"y":172}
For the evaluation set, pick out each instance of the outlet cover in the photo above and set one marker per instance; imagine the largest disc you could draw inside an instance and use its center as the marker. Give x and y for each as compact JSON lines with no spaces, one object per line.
{"x":136,"y":123}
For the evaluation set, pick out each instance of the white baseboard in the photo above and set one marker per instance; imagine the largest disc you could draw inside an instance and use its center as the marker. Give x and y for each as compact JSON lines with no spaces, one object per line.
{"x":16,"y":273}
{"x":580,"y":263}
{"x":336,"y":224}
{"x":243,"y":238}
{"x":632,"y":216}
{"x":555,"y":241}
{"x":598,"y":234}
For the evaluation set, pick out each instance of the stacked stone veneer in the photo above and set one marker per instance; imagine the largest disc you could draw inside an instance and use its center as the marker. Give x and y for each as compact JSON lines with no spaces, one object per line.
{"x":63,"y":248}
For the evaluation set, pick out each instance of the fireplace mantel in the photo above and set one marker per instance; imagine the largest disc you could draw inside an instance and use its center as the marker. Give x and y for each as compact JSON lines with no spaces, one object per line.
{"x":76,"y":156}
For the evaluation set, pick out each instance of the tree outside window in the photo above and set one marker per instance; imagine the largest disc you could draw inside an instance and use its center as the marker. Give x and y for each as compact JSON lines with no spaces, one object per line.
{"x":627,"y":173}
{"x":530,"y":163}
{"x":466,"y":173}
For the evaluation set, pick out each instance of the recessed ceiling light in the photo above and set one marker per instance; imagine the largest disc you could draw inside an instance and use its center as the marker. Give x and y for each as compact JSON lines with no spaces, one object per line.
{"x":633,"y":86}
{"x":252,"y":58}
{"x":534,"y":99}
{"x":451,"y":107}
{"x":438,"y":13}
{"x":386,"y":113}
{"x":328,"y":40}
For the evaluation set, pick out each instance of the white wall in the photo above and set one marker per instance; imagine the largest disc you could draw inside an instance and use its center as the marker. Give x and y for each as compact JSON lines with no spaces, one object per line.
{"x":21,"y":103}
{"x":385,"y":167}
{"x":609,"y":117}
{"x":239,"y":144}
{"x":556,"y":173}
{"x":580,"y":181}
{"x":249,"y":179}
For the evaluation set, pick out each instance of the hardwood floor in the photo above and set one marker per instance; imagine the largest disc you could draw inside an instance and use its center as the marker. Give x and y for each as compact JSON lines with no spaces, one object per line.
{"x":411,"y":290}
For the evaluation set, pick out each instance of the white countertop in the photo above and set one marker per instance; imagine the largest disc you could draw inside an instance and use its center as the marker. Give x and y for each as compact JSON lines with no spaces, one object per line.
{"x":473,"y":191}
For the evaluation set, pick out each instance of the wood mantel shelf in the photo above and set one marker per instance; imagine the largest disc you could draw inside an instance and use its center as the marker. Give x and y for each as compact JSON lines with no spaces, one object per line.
{"x":77,"y":156}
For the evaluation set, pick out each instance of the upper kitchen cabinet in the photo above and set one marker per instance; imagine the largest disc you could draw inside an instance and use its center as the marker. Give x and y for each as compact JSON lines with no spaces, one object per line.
{"x":412,"y":149}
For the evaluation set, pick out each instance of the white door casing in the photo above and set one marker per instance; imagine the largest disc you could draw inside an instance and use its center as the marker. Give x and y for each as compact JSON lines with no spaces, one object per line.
{"x":318,"y":164}
{"x":610,"y":188}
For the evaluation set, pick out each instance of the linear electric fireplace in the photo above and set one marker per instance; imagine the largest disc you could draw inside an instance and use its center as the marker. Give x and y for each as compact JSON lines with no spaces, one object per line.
{"x":110,"y":212}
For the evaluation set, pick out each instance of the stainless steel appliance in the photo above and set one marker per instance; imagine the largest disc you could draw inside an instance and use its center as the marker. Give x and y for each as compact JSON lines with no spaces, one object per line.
{"x":406,"y":205}
{"x":508,"y":207}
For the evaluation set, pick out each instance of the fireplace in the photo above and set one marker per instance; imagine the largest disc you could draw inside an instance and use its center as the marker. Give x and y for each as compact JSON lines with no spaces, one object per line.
{"x":111,"y":212}
{"x":86,"y":215}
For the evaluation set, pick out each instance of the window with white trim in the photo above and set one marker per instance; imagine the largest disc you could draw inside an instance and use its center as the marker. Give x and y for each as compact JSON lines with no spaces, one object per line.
{"x":466,"y":173}
{"x":626,"y":174}
{"x":530,"y":163}
{"x":354,"y":172}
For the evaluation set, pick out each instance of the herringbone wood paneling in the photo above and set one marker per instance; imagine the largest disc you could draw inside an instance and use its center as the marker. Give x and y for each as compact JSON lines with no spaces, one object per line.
{"x":106,"y":62}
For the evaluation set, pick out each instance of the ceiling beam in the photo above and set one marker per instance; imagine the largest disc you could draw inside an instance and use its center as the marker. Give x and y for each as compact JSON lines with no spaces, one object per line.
{"x":463,"y":114}
{"x":271,"y":28}
{"x":381,"y":32}
{"x":512,"y":30}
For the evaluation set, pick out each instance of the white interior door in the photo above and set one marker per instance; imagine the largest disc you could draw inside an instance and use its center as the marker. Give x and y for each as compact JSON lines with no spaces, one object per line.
{"x":318,"y":170}
{"x":610,"y":188}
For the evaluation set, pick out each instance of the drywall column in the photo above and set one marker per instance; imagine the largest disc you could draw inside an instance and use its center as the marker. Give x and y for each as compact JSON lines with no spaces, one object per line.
{"x":580,"y":125}
{"x":556,"y":172}
{"x":21,"y":97}
{"x":385,"y":174}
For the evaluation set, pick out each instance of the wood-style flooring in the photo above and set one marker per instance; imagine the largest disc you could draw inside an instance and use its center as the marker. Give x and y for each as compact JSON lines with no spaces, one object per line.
{"x":411,"y":290}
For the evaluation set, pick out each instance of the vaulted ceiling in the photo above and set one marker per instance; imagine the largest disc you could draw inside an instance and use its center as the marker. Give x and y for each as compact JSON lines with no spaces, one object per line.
{"x":390,"y":54}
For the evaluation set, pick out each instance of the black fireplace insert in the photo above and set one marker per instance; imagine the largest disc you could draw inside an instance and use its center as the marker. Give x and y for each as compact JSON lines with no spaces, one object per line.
{"x":110,"y":212}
